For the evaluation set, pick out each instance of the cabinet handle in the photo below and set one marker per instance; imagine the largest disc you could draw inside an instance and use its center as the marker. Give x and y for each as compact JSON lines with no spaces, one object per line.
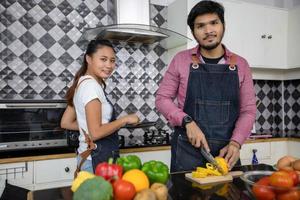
{"x":67,"y":169}
{"x":263,"y":36}
{"x":270,"y":37}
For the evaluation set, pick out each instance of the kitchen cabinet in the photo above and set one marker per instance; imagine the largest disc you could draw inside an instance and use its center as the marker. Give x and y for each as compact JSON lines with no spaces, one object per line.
{"x":293,"y":38}
{"x":264,"y":35}
{"x":20,"y":174}
{"x":269,"y":152}
{"x":54,"y":173}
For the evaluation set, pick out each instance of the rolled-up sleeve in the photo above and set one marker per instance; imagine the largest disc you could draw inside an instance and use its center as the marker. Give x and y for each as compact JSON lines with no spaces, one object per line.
{"x":247,"y":113}
{"x":167,"y":92}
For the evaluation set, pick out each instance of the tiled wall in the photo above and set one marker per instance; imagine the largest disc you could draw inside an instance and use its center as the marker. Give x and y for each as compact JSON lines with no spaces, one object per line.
{"x":279,"y":108}
{"x":41,"y":50}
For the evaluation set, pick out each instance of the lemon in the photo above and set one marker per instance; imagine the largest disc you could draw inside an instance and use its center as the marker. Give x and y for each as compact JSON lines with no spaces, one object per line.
{"x":223,"y":164}
{"x":138,"y":178}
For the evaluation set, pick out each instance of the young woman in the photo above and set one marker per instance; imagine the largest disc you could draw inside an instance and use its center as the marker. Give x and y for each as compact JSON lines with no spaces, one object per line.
{"x":90,"y":111}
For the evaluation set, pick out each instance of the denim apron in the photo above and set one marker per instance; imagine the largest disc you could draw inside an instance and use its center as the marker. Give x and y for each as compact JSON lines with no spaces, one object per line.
{"x":107,"y":147}
{"x":212,"y":100}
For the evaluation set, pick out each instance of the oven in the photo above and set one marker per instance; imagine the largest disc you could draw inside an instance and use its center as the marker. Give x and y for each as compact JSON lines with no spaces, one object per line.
{"x":32,"y":125}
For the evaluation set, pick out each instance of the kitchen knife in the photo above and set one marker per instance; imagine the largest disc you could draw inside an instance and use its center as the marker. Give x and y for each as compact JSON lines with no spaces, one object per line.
{"x":211,"y":159}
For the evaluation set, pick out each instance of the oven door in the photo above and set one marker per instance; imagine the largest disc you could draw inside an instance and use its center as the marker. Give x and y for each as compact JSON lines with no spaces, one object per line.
{"x":31,"y":125}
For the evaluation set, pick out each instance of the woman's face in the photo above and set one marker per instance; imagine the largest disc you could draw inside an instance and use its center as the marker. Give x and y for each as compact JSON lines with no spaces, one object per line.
{"x":102,"y":63}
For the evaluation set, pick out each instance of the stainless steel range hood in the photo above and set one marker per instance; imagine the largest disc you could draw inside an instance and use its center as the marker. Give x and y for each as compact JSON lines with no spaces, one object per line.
{"x":133,"y":25}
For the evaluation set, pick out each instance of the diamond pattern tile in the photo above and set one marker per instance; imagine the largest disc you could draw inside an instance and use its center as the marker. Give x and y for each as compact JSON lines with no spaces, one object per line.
{"x":27,"y":21}
{"x":27,"y":39}
{"x":7,"y":37}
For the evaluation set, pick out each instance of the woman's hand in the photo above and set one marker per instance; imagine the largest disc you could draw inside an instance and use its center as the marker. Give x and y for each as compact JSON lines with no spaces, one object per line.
{"x":131,"y":119}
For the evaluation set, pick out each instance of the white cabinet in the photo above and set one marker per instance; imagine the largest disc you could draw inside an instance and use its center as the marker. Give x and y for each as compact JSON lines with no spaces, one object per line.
{"x":264,"y":34}
{"x":269,"y":152}
{"x":293,"y":38}
{"x":263,"y":153}
{"x":20,"y":174}
{"x":54,"y":173}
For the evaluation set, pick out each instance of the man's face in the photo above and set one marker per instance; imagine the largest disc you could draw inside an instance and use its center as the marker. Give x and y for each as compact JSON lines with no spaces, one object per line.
{"x":208,"y":31}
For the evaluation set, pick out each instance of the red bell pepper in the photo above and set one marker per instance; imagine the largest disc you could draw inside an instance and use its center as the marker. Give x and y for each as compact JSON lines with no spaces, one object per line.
{"x":109,"y":171}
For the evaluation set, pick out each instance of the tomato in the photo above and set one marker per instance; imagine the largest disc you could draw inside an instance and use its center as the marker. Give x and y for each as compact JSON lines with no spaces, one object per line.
{"x":262,"y":192}
{"x":264,"y":181}
{"x":294,"y":176}
{"x":123,"y":190}
{"x":290,"y":195}
{"x":281,"y":179}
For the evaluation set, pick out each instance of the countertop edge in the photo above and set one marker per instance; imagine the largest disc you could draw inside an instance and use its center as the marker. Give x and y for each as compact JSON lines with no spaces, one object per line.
{"x":123,"y":151}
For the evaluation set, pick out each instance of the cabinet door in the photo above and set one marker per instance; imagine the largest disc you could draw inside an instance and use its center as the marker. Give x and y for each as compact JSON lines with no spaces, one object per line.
{"x":56,"y":170}
{"x":20,"y":174}
{"x":264,"y":36}
{"x":234,"y":30}
{"x":276,"y":38}
{"x":254,"y":34}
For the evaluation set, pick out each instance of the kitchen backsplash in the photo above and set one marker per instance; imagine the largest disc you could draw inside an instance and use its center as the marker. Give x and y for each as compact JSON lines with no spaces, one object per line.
{"x":41,"y":50}
{"x":279,"y":108}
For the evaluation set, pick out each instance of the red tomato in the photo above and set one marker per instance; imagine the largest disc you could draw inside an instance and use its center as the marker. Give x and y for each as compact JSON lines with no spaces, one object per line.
{"x":264,"y":181}
{"x":262,"y":192}
{"x":123,"y":190}
{"x":290,"y":195}
{"x":294,"y":176}
{"x":281,"y":179}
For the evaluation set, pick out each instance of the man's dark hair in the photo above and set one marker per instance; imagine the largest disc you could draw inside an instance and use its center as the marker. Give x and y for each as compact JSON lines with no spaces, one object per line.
{"x":205,"y":7}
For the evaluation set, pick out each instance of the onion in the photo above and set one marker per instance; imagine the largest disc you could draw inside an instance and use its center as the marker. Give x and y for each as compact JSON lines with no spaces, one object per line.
{"x":296,"y":165}
{"x":285,"y":163}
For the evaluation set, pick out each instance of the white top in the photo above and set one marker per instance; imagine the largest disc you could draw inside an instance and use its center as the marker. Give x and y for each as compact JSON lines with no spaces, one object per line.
{"x":87,"y":91}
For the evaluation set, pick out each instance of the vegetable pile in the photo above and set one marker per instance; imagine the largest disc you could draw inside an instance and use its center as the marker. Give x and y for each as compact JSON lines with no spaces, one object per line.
{"x":282,"y":184}
{"x":127,"y":179}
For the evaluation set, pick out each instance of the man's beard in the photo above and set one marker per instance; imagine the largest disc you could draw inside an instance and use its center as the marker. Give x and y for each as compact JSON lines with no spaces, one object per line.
{"x":211,"y":46}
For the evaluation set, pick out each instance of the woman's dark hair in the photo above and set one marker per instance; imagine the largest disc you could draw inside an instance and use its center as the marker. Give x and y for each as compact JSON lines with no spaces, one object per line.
{"x":205,"y":7}
{"x":92,"y":48}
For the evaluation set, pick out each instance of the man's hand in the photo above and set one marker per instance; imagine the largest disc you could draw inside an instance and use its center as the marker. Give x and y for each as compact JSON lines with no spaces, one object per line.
{"x":231,"y":153}
{"x":196,"y":136}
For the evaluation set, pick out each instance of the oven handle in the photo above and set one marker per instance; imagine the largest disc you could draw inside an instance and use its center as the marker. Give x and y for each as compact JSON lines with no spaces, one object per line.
{"x":33,"y":105}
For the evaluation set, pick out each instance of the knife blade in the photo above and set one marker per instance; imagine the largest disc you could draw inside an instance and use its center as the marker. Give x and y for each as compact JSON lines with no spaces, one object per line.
{"x":211,"y":159}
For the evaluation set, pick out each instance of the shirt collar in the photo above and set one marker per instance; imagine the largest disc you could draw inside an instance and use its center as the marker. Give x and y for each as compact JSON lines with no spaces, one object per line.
{"x":196,"y":51}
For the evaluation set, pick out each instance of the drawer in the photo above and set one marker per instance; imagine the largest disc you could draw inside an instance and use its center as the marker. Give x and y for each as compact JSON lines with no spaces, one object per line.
{"x":263,"y":151}
{"x":54,"y":170}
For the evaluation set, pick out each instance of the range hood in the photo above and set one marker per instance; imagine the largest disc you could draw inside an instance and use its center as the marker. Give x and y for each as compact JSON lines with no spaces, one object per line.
{"x":133,"y":25}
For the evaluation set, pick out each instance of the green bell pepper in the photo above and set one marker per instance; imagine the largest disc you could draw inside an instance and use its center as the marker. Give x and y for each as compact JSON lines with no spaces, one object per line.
{"x":129,"y":162}
{"x":157,"y":171}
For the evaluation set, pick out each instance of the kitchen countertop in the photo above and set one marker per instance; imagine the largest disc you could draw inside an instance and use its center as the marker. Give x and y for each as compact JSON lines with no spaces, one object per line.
{"x":179,"y":188}
{"x":69,"y":154}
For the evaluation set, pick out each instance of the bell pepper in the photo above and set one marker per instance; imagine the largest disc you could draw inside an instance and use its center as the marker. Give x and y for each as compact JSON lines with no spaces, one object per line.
{"x":129,"y":162}
{"x":81,"y":177}
{"x":156,"y":171}
{"x":109,"y":171}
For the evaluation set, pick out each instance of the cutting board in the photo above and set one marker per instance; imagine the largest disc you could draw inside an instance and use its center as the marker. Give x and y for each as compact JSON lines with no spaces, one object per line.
{"x":214,"y":179}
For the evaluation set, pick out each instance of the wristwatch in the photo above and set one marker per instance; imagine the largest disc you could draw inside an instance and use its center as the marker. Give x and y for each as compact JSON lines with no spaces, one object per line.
{"x":186,"y":119}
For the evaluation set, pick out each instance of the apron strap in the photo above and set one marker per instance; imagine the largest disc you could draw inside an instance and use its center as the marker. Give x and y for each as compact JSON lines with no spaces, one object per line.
{"x":90,"y":144}
{"x":195,"y":61}
{"x":232,"y":62}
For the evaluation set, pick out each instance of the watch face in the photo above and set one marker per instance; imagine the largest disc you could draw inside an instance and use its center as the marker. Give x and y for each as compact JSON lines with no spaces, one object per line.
{"x":187,"y":119}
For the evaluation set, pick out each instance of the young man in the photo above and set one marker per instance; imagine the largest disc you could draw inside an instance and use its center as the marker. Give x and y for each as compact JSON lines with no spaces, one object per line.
{"x":214,"y":91}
